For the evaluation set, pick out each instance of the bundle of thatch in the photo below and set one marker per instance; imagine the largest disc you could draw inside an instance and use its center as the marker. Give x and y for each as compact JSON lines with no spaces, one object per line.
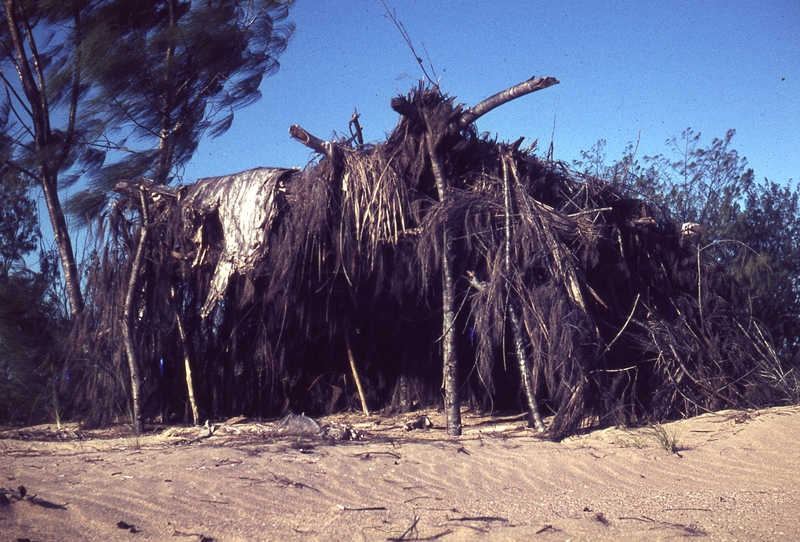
{"x":383,"y":264}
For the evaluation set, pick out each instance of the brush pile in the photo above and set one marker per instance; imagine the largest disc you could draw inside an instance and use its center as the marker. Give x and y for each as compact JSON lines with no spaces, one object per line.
{"x":377,"y":266}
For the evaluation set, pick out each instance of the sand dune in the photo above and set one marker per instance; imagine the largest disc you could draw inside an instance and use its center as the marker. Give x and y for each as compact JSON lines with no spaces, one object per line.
{"x":733,"y":476}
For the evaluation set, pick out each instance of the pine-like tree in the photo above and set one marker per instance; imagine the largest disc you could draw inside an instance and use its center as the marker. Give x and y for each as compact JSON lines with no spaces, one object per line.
{"x":169,"y":72}
{"x":40,"y":71}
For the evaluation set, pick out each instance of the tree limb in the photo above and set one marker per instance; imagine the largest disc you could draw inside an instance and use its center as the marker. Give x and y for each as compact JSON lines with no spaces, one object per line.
{"x":311,"y":141}
{"x":14,"y":165}
{"x":526,"y":87}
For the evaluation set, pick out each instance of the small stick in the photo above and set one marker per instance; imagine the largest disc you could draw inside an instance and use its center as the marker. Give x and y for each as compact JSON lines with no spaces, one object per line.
{"x":407,"y":531}
{"x":481,"y":518}
{"x":356,"y":126}
{"x":622,"y":329}
{"x":355,"y":375}
{"x":361,"y":509}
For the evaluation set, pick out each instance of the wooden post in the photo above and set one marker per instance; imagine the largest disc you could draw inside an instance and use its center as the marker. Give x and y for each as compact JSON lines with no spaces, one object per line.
{"x":534,"y":416}
{"x":452,"y":401}
{"x":186,"y":365}
{"x":352,"y":358}
{"x":128,"y":314}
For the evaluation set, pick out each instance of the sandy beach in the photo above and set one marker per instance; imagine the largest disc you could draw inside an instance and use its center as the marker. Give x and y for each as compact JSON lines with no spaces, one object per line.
{"x":731,"y":475}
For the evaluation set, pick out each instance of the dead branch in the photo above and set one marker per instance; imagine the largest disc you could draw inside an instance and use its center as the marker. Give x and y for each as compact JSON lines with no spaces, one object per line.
{"x":355,"y":129}
{"x":353,"y":368}
{"x":311,"y":141}
{"x":526,"y":87}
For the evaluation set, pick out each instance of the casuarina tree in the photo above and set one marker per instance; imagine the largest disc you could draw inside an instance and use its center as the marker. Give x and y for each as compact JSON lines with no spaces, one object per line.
{"x":169,"y":72}
{"x":40,"y":70}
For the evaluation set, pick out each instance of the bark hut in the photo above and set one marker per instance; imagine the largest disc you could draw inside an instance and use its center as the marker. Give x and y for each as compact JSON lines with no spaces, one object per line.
{"x":443,"y":252}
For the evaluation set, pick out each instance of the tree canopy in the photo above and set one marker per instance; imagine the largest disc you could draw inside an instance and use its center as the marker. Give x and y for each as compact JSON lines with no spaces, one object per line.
{"x":19,"y":221}
{"x":116,"y":89}
{"x":751,"y":228}
{"x":168,"y":72}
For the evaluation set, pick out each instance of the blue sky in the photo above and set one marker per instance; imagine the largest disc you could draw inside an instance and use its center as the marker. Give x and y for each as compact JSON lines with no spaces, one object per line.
{"x":624,"y":67}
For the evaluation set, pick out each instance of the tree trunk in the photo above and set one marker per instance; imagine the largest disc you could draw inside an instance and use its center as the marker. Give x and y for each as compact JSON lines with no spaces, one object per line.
{"x":72,"y":283}
{"x":128,"y":314}
{"x":452,"y":401}
{"x":31,"y":78}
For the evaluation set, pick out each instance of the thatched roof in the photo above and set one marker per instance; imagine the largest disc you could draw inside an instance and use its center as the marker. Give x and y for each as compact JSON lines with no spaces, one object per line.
{"x":274,"y":273}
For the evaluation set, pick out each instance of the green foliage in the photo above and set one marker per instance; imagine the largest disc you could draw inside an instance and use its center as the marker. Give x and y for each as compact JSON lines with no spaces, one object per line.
{"x":701,"y":184}
{"x":666,"y":438}
{"x":170,"y":72}
{"x":751,"y":228}
{"x":32,"y":322}
{"x":769,"y":225}
{"x":32,"y":328}
{"x":19,"y":227}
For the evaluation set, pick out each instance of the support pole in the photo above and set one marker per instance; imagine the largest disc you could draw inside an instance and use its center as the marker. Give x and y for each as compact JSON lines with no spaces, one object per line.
{"x":534,"y":416}
{"x":353,"y":368}
{"x":128,"y":312}
{"x":452,"y":401}
{"x":187,"y":366}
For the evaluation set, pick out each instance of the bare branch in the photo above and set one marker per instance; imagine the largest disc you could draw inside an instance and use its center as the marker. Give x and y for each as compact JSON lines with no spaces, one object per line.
{"x":526,"y":87}
{"x":14,"y":165}
{"x":403,"y":32}
{"x":311,"y":141}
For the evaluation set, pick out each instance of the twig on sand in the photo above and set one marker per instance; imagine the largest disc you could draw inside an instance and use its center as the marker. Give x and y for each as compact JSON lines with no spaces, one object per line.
{"x":360,"y":509}
{"x":286,"y":482}
{"x":480,"y":518}
{"x":411,"y":528}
